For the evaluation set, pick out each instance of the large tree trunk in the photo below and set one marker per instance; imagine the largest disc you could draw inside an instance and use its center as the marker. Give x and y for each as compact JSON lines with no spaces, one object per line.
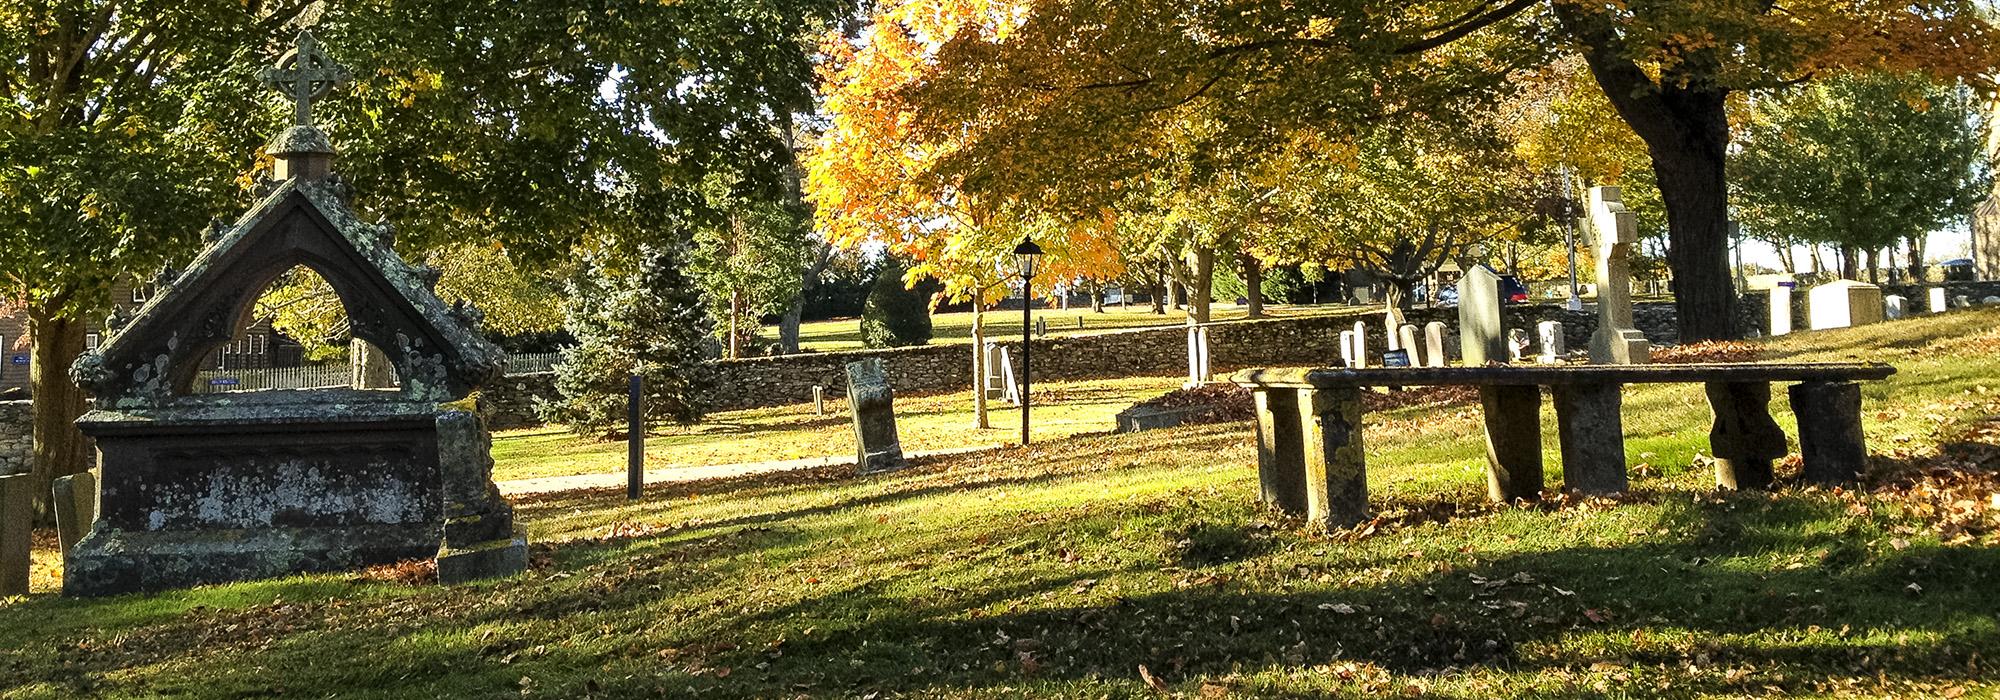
{"x":1850,"y":265}
{"x":58,"y":402}
{"x":1686,"y":129}
{"x":1916,"y":246}
{"x":1253,"y":282}
{"x":1203,"y":297}
{"x":1874,"y":266}
{"x":1695,"y":193}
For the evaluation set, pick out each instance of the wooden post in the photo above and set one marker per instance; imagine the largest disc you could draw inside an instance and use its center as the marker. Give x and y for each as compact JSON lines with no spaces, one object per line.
{"x":1336,"y":469}
{"x":1590,"y":428}
{"x":1830,"y":438}
{"x":1513,"y":441}
{"x":1281,"y":467}
{"x":1743,"y":439}
{"x":635,"y":439}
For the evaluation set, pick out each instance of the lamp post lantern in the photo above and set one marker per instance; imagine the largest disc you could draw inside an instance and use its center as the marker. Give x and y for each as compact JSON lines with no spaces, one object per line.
{"x":1026,"y":255}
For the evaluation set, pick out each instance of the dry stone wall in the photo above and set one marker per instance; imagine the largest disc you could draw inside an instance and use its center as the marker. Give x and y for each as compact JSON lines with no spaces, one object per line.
{"x":17,"y":441}
{"x":789,"y":379}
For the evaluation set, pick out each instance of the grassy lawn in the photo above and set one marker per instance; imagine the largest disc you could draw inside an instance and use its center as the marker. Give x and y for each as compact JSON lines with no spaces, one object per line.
{"x":845,"y":333}
{"x":1062,"y":570}
{"x":924,"y":422}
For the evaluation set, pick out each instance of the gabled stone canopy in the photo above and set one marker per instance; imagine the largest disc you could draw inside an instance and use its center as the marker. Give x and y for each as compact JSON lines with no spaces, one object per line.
{"x":155,"y":357}
{"x":227,"y":487}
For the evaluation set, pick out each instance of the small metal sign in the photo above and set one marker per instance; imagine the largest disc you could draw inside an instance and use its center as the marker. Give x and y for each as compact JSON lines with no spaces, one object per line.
{"x":224,"y":381}
{"x":1396,"y":358}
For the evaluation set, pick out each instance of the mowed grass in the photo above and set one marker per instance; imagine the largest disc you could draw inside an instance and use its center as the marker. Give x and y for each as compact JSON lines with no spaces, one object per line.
{"x":1063,"y":569}
{"x":956,"y":327}
{"x":923,"y":422}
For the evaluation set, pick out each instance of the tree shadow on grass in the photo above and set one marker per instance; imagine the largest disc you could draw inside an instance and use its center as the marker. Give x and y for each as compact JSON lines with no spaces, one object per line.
{"x":1566,"y":609}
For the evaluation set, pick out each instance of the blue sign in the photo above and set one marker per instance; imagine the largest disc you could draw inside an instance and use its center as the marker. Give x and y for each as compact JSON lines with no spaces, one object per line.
{"x":20,"y":359}
{"x":223,"y":381}
{"x":1396,"y":358}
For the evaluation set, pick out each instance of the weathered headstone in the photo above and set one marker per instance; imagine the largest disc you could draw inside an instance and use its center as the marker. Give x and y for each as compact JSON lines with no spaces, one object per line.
{"x":1844,"y":303}
{"x":1551,"y":333}
{"x":1517,"y":344}
{"x":1615,"y":230}
{"x":1197,"y":343}
{"x":1347,"y":349}
{"x":76,"y":506}
{"x":1480,"y":338}
{"x":872,"y":404}
{"x":1937,"y":301}
{"x":819,"y":400}
{"x":1434,"y":344}
{"x":1895,"y":306}
{"x":17,"y":520}
{"x":1408,"y":337}
{"x":201,"y":488}
{"x":1360,"y":345}
{"x":1963,"y":301}
{"x":1990,"y":300}
{"x":1781,"y":309}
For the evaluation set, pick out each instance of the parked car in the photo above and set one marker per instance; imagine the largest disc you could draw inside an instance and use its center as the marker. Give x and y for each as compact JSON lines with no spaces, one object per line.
{"x":1512,"y":290}
{"x":1958,"y":270}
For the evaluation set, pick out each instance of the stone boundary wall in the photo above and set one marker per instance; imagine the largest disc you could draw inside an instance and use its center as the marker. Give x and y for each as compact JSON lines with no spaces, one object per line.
{"x":1310,"y":340}
{"x":17,"y":435}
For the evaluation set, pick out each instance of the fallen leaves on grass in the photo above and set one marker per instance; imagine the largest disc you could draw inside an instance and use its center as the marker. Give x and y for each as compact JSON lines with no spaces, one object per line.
{"x":1708,"y":351}
{"x":414,"y":572}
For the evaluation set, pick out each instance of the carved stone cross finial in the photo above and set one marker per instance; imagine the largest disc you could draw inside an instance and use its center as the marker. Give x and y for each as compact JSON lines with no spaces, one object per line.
{"x":305,"y":74}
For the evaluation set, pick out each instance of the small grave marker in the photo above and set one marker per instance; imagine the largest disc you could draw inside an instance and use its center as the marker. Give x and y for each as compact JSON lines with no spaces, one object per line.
{"x":1781,"y":309}
{"x":1480,"y":339}
{"x":872,"y":403}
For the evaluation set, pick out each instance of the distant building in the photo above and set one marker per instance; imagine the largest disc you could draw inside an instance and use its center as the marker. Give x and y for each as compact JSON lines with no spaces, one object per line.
{"x":258,"y":346}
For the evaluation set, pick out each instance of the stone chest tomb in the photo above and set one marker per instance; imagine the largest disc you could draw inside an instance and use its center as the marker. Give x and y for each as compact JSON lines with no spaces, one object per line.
{"x":201,"y":488}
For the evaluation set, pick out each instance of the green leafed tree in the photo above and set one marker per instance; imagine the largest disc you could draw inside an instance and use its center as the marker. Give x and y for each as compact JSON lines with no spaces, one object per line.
{"x":1862,"y":162}
{"x":895,"y":315}
{"x":644,"y":316}
{"x":126,"y":125}
{"x":750,"y":258}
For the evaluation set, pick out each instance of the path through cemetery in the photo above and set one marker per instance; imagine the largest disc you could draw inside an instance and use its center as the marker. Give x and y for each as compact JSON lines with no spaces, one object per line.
{"x":669,"y":474}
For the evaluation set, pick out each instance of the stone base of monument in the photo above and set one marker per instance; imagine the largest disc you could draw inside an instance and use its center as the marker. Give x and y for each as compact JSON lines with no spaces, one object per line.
{"x":487,"y":560}
{"x":114,"y":562}
{"x":1138,"y":418}
{"x":222,"y":488}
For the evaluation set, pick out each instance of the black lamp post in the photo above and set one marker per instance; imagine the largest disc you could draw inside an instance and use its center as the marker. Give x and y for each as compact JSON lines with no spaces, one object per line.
{"x":1026,"y":255}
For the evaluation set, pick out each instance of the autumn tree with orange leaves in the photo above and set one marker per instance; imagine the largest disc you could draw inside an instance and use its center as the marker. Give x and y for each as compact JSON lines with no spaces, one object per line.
{"x":1071,"y":99}
{"x":871,"y":181}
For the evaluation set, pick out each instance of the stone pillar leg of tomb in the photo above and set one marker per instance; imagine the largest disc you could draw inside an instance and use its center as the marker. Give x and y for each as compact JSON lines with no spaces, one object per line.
{"x":1281,"y":465}
{"x":1834,"y":449}
{"x":479,"y":537}
{"x":1336,"y":468}
{"x":1591,"y":428}
{"x":17,"y":519}
{"x":1513,"y":441}
{"x":1743,"y":439}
